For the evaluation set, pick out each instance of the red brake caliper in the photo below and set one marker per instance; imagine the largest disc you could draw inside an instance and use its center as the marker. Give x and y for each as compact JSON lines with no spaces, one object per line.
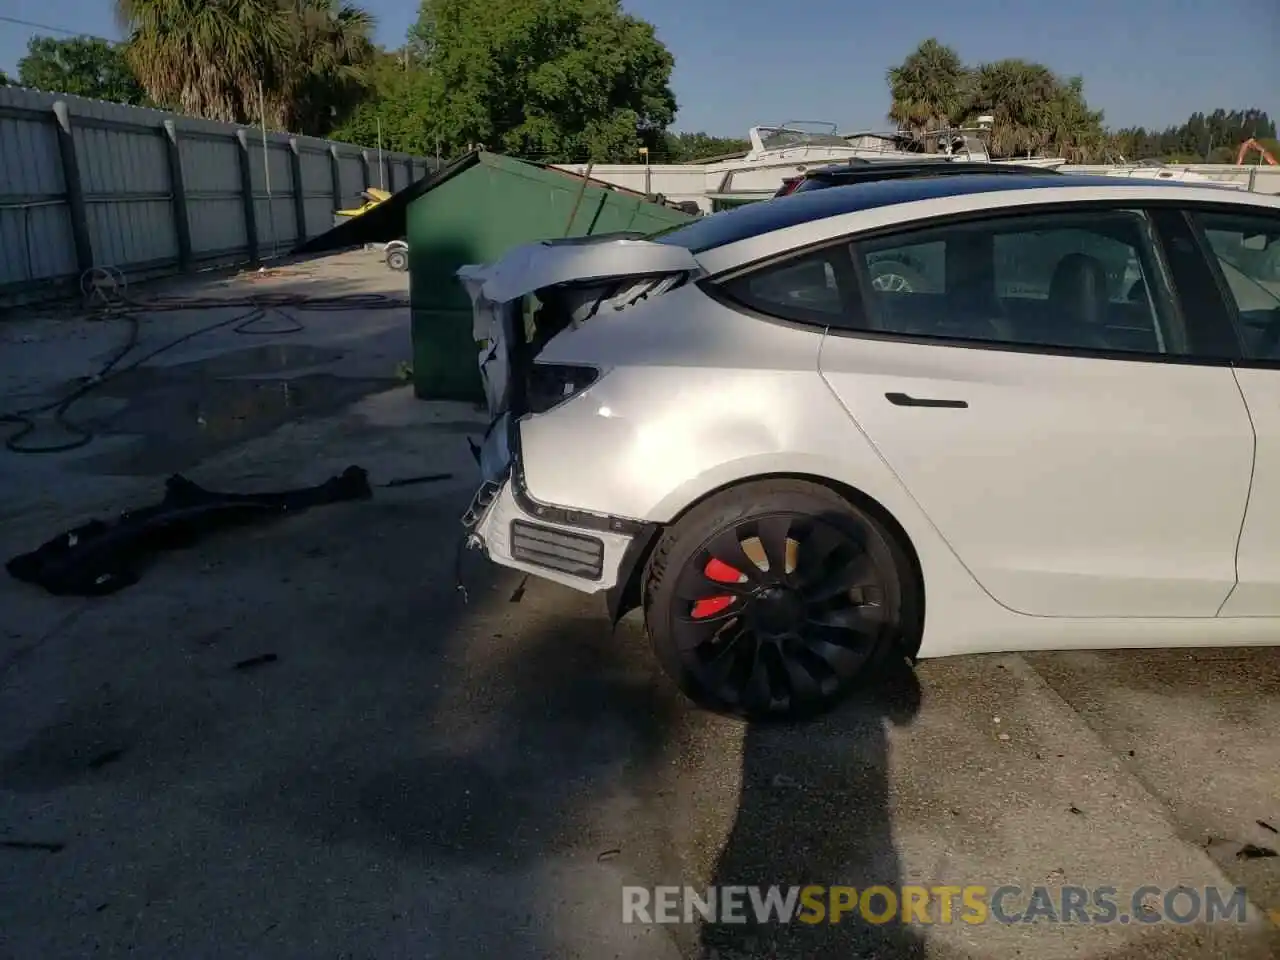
{"x":720,"y":572}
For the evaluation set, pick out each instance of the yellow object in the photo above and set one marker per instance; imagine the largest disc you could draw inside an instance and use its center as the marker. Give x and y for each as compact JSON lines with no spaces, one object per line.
{"x":373,"y":196}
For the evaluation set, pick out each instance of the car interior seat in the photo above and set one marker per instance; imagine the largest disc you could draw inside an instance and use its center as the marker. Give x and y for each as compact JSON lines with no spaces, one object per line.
{"x":1079,"y":302}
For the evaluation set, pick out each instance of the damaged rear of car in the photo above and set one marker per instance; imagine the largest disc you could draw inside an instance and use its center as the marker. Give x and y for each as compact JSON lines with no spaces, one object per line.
{"x":658,"y":439}
{"x":533,"y":295}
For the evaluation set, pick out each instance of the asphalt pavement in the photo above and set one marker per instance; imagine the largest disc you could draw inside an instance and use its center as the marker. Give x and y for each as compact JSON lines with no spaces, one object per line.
{"x":297,"y":739}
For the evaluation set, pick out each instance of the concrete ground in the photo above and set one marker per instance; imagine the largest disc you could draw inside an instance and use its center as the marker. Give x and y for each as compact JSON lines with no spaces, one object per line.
{"x":412,"y":776}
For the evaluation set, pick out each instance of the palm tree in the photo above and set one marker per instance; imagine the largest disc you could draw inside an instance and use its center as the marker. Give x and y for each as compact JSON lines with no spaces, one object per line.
{"x":282,"y":62}
{"x":928,"y":88}
{"x":331,"y":66}
{"x":1076,"y":131}
{"x":206,"y":58}
{"x":1020,"y":97}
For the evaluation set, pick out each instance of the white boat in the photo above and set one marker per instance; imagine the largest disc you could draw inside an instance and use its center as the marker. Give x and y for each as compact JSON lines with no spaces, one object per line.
{"x":795,"y":147}
{"x":963,"y":144}
{"x":779,"y":153}
{"x":1156,"y":170}
{"x":787,"y":150}
{"x":1042,"y":163}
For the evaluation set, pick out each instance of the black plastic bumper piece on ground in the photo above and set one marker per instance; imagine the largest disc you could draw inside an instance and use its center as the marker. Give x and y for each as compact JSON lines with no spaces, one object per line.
{"x":98,"y":558}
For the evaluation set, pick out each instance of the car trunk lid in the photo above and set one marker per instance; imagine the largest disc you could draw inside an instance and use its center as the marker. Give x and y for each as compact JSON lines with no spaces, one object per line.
{"x":569,"y":281}
{"x":573,"y":279}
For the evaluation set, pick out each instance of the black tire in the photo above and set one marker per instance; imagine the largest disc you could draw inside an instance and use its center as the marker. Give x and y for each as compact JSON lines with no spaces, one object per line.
{"x":840,"y":596}
{"x":398,"y":260}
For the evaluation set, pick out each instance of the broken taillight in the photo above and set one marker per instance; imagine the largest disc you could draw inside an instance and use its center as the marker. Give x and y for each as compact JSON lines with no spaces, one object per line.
{"x":550,"y":384}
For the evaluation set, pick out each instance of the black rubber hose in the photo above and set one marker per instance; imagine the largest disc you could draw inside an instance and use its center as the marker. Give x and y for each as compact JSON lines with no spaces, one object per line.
{"x":255,"y":310}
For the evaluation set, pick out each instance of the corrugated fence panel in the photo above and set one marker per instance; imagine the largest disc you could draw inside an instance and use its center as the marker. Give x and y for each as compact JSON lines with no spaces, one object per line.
{"x":397,"y":175}
{"x":317,"y":172}
{"x":317,"y":187}
{"x":35,"y":243}
{"x":319,"y":215}
{"x":29,"y":160}
{"x":272,"y":195}
{"x":210,"y":164}
{"x":217,"y":227}
{"x":276,"y":228}
{"x":132,"y":232}
{"x":379,"y":175}
{"x":129,"y":213}
{"x":121,"y":161}
{"x":124,"y":174}
{"x":279,"y":181}
{"x":215,"y":211}
{"x":35,"y":231}
{"x":352,"y":179}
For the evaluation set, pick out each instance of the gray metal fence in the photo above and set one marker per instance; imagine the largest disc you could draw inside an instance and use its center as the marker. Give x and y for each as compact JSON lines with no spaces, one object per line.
{"x":86,"y":184}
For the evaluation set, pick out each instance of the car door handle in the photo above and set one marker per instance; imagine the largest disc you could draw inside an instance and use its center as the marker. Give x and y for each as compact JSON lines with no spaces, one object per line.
{"x":906,"y":400}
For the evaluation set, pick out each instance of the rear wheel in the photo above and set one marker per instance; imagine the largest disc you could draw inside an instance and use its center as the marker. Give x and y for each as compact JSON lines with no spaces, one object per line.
{"x":774,"y":598}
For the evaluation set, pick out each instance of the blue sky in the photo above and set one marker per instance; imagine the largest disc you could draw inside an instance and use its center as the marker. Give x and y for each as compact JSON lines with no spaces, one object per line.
{"x":741,"y":62}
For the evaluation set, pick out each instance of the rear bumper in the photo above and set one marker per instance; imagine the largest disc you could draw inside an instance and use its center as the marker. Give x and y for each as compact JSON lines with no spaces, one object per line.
{"x":511,"y":536}
{"x":585,"y":551}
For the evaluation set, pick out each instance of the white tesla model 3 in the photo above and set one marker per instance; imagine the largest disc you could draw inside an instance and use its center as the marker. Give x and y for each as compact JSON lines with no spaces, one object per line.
{"x":916,"y":417}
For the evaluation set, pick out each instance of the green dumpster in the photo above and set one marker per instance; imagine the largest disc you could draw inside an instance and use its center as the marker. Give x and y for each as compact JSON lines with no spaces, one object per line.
{"x":474,"y":212}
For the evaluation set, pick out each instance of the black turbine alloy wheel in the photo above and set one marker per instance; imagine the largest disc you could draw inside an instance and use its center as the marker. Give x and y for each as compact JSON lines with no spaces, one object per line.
{"x":779,"y":612}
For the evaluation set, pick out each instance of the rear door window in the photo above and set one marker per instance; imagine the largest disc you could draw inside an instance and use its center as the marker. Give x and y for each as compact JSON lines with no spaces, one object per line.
{"x":1247,"y":250}
{"x":1071,"y":280}
{"x":1025,"y":260}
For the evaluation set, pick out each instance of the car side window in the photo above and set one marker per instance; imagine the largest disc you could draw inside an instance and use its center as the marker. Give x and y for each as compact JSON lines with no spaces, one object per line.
{"x":910,"y":268}
{"x":1247,"y":250}
{"x":805,"y":289}
{"x":1088,"y":280}
{"x":1025,"y":260}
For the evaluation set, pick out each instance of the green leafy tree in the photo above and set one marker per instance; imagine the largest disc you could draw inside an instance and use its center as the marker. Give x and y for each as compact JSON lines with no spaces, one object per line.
{"x":4,"y":79}
{"x":553,"y":80}
{"x":1214,"y":137}
{"x":929,"y":90}
{"x":400,"y":107}
{"x":82,"y":66}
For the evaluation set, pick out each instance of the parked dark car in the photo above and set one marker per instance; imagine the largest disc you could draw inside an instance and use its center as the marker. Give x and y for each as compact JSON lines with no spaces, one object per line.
{"x":862,"y":170}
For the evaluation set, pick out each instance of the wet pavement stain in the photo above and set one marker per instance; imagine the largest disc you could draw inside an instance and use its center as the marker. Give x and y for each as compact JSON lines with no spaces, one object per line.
{"x":259,"y":361}
{"x":180,"y":414}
